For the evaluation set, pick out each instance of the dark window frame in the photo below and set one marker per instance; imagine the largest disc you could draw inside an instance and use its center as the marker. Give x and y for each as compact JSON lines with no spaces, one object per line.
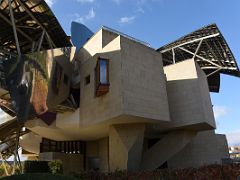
{"x":101,"y":88}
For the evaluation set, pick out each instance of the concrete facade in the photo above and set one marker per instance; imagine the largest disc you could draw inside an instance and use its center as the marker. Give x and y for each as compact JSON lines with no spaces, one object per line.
{"x":151,"y":115}
{"x":188,"y":97}
{"x":126,"y":146}
{"x":206,"y":148}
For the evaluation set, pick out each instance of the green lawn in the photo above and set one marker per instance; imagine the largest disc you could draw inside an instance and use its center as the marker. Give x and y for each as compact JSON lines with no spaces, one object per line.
{"x":38,"y":176}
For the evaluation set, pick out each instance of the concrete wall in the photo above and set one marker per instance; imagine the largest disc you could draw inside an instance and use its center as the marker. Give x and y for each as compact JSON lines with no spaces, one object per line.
{"x":137,"y":83}
{"x":144,"y":83}
{"x":98,"y":149}
{"x":206,"y":148}
{"x":71,"y":162}
{"x":165,"y":148}
{"x":98,"y":109}
{"x":92,"y":46}
{"x":104,"y":154}
{"x":95,"y":44}
{"x":189,"y":98}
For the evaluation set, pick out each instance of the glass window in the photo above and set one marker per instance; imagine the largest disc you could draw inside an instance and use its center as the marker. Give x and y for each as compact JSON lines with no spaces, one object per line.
{"x":102,"y":77}
{"x":103,"y":71}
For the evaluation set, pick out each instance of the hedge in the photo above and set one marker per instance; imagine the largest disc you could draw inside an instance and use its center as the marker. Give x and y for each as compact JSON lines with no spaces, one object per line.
{"x":36,"y":167}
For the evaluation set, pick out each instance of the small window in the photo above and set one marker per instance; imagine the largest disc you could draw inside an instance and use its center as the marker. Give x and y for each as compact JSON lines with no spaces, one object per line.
{"x":87,"y":80}
{"x":103,"y":71}
{"x":102,"y":76}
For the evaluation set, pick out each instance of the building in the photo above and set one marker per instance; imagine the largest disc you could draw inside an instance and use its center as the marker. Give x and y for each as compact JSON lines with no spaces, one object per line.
{"x":234,"y":152}
{"x":115,"y":103}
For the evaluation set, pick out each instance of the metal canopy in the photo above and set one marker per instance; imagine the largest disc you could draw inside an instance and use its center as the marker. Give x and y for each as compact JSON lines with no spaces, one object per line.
{"x":209,"y":48}
{"x":35,"y":27}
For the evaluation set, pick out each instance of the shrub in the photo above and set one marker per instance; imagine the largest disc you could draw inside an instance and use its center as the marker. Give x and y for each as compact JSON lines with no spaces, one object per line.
{"x":36,"y":167}
{"x":2,"y":170}
{"x":17,"y":171}
{"x":55,"y":166}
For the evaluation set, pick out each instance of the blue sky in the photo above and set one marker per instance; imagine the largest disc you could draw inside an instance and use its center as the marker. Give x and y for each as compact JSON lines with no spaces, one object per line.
{"x":161,"y":21}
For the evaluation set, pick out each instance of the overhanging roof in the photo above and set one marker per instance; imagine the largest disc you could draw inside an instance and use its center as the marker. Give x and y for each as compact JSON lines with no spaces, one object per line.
{"x":209,"y":48}
{"x":10,"y":131}
{"x":32,"y":18}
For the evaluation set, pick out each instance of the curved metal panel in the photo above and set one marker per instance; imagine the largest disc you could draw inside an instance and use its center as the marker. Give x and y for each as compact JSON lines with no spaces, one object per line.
{"x":80,"y":34}
{"x":38,"y":82}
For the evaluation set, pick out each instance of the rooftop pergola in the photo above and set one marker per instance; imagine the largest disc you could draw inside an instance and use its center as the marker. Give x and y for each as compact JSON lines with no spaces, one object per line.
{"x":209,"y":48}
{"x":28,"y":26}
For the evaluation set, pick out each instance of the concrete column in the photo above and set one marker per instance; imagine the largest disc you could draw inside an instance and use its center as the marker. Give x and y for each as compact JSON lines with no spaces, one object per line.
{"x":125,"y":146}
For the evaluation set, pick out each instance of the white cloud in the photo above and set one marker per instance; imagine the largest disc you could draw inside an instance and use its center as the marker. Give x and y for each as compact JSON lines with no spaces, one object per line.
{"x":85,"y":1}
{"x":220,"y":111}
{"x":116,"y":1}
{"x":50,"y":2}
{"x":82,"y":19}
{"x":91,"y":14}
{"x":124,"y":20}
{"x":142,"y":5}
{"x":233,"y":138}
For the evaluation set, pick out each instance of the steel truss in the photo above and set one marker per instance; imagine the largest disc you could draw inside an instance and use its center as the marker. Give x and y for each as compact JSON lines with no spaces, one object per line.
{"x":206,"y":46}
{"x":216,"y":67}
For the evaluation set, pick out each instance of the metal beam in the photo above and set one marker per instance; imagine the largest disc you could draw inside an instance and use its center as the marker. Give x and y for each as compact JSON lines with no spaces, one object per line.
{"x":14,"y":27}
{"x":49,"y":41}
{"x":219,"y":69}
{"x":174,"y":57}
{"x":223,"y":68}
{"x":40,"y":41}
{"x":199,"y":45}
{"x":192,"y":41}
{"x":16,"y":152}
{"x":204,"y":59}
{"x":34,"y":18}
{"x":209,"y":47}
{"x":19,"y":30}
{"x":26,"y":27}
